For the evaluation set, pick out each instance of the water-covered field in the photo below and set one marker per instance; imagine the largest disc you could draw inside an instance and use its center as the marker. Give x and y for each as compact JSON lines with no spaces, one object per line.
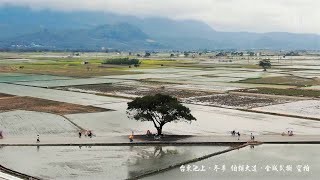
{"x":29,"y":124}
{"x":277,"y":162}
{"x":96,"y":162}
{"x":307,"y":108}
{"x":210,"y":120}
{"x":206,"y":86}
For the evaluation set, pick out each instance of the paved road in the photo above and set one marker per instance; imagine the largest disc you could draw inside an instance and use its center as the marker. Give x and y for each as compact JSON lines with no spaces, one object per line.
{"x":123,"y":140}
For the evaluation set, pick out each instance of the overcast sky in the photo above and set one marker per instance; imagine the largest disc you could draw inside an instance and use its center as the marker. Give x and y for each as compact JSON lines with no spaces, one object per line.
{"x":300,"y":16}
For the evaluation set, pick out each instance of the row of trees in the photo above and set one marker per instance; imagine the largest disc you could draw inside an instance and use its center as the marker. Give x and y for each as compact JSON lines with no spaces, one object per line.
{"x":122,"y":61}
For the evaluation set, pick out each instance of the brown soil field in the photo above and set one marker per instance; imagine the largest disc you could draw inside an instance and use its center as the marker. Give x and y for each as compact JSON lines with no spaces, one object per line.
{"x":5,"y":68}
{"x":65,"y":70}
{"x":178,"y":93}
{"x":5,"y":95}
{"x":238,"y":101}
{"x":285,"y":80}
{"x":283,"y":92}
{"x":42,"y":105}
{"x":133,"y":90}
{"x":102,"y":87}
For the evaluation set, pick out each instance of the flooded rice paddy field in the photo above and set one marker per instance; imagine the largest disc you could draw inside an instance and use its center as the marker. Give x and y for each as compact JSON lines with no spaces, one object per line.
{"x":97,"y":162}
{"x":173,"y":75}
{"x":69,"y":82}
{"x":304,"y":158}
{"x":213,"y":121}
{"x":207,"y":87}
{"x":29,"y":124}
{"x":58,"y":95}
{"x":136,"y":91}
{"x":210,"y":121}
{"x":236,"y":101}
{"x":125,"y":162}
{"x":11,"y":77}
{"x":307,"y":108}
{"x":213,"y":79}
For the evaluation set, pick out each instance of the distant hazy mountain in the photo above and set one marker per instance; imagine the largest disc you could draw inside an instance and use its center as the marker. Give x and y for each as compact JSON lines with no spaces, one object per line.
{"x":118,"y":36}
{"x":94,"y":30}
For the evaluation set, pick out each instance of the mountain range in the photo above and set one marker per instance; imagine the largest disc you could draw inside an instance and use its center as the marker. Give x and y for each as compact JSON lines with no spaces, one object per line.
{"x":22,"y":27}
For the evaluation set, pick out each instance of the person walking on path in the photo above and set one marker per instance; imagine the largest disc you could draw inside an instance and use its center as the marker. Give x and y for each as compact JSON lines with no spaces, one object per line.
{"x":238,"y":135}
{"x":233,"y":133}
{"x":90,"y":134}
{"x":131,"y":137}
{"x":38,"y":138}
{"x":80,"y":134}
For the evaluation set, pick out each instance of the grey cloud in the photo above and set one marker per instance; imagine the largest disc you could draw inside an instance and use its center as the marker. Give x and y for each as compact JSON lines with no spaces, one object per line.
{"x":227,"y":15}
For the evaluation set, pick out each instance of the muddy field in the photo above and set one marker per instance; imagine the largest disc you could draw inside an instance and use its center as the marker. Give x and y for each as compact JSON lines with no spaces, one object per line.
{"x":237,"y":101}
{"x":4,"y":95}
{"x":285,"y":80}
{"x":138,"y":91}
{"x":107,"y":88}
{"x":179,"y":93}
{"x":284,"y":92}
{"x":42,"y":105}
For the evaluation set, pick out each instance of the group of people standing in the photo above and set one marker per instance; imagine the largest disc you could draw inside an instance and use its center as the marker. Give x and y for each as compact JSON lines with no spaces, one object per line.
{"x":290,"y":133}
{"x":252,"y":137}
{"x":86,"y":133}
{"x":234,"y":133}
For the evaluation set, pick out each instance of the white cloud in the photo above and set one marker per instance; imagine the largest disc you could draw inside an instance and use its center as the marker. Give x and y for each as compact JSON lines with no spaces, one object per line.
{"x":226,"y":15}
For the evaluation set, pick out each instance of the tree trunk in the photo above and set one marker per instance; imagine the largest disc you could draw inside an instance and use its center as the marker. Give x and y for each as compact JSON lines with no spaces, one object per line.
{"x":159,"y":130}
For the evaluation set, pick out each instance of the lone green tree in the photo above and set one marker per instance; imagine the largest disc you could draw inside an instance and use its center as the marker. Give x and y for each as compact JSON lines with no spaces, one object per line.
{"x":159,"y":109}
{"x":265,"y":64}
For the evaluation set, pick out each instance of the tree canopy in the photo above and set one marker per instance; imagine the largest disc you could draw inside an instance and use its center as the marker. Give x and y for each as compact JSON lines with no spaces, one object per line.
{"x":159,"y":109}
{"x":265,"y":64}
